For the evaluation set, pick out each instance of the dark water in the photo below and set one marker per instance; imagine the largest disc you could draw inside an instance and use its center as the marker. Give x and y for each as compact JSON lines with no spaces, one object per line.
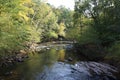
{"x":56,"y":63}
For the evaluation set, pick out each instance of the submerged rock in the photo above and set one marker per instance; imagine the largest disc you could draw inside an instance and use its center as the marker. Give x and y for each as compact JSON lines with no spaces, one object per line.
{"x":8,"y":73}
{"x":70,"y":59}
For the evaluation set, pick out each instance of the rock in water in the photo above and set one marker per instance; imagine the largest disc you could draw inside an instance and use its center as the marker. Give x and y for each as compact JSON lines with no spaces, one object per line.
{"x":95,"y":68}
{"x":70,"y":59}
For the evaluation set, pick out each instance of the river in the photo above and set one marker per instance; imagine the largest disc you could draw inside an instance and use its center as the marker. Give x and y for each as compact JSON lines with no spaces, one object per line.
{"x":59,"y":62}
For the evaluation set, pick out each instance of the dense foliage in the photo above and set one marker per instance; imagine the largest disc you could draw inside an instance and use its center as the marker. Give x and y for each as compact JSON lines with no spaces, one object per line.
{"x":99,"y":23}
{"x":14,"y":24}
{"x":92,"y":22}
{"x":30,"y":21}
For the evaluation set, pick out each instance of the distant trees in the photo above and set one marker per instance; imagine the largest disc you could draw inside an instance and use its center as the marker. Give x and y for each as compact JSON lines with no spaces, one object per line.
{"x":65,"y":20}
{"x":64,"y":15}
{"x":45,"y":21}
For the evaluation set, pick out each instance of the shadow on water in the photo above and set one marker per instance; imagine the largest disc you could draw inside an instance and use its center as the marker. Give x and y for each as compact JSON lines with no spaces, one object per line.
{"x":55,"y":63}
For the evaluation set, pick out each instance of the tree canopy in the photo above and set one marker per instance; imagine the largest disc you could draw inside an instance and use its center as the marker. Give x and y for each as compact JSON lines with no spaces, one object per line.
{"x":92,"y":21}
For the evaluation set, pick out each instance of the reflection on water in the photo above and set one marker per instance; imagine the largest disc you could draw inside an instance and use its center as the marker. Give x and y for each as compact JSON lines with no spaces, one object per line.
{"x":39,"y":62}
{"x":61,"y":55}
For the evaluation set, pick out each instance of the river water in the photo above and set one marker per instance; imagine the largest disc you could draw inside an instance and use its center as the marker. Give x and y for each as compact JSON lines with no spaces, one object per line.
{"x":59,"y":62}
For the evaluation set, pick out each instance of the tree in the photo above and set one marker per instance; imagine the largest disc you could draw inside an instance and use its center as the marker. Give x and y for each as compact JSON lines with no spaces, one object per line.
{"x":61,"y":31}
{"x":45,"y":21}
{"x":14,"y":21}
{"x":102,"y":14}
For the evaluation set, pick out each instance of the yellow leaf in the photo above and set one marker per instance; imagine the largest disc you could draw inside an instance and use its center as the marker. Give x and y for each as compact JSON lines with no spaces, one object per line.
{"x":22,"y":14}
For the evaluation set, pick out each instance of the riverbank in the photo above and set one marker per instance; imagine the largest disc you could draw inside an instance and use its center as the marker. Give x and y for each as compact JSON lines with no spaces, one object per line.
{"x":20,"y":56}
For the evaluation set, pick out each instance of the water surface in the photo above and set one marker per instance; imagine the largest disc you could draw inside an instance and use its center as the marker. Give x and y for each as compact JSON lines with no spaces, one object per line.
{"x":58,"y":62}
